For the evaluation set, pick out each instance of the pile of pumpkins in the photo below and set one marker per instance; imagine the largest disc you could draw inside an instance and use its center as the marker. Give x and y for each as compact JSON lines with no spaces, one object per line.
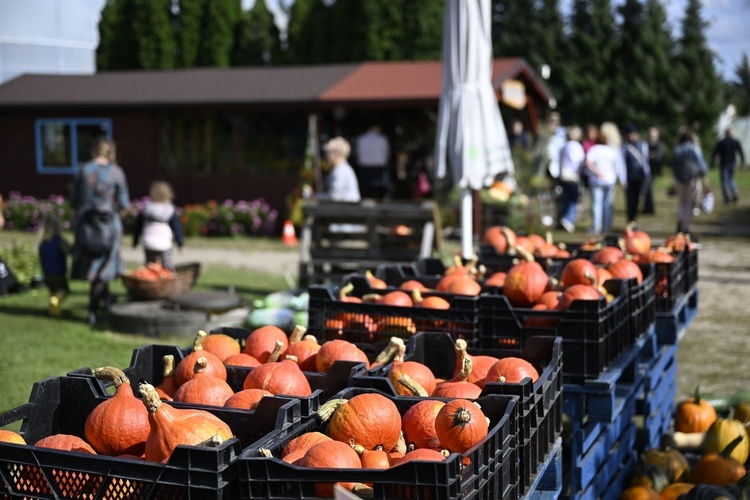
{"x":720,"y":473}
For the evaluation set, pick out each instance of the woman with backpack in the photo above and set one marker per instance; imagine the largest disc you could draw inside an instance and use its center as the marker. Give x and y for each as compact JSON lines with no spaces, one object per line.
{"x":688,"y":167}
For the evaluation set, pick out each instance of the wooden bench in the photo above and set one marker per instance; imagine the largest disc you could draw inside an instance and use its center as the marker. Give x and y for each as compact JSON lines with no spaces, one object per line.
{"x":340,"y":238}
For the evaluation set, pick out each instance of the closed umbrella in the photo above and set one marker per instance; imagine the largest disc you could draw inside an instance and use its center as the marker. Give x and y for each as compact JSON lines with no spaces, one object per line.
{"x":470,"y":133}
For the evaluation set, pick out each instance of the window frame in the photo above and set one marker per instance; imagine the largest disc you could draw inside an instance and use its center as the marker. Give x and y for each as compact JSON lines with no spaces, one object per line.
{"x":73,"y":123}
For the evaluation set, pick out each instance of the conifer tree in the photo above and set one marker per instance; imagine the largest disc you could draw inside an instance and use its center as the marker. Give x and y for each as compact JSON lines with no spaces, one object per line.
{"x":633,"y":95}
{"x":256,"y":37}
{"x":700,"y":97}
{"x":510,"y":35}
{"x":741,"y":86}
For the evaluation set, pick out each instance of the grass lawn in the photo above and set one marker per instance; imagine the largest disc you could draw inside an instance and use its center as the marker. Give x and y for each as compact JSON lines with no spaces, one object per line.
{"x":37,"y":346}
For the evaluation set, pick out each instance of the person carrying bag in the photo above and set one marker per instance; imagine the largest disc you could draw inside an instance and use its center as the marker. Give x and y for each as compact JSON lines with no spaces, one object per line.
{"x":96,"y":232}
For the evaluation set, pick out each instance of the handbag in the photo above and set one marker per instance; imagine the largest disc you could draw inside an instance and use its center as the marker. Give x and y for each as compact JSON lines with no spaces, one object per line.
{"x":707,"y":202}
{"x":96,"y":232}
{"x":423,"y":186}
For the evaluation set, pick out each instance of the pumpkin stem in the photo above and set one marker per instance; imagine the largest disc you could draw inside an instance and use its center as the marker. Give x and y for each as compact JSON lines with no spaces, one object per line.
{"x":461,"y":417}
{"x":168,"y":366}
{"x":200,"y":365}
{"x":150,"y":397}
{"x":466,"y":366}
{"x":400,"y":353}
{"x":292,"y":357}
{"x":297,"y":334}
{"x":416,"y":297}
{"x":697,"y":396}
{"x":548,"y":237}
{"x":727,"y":451}
{"x":346,"y":290}
{"x":472,"y":264}
{"x":525,"y":254}
{"x":328,"y":409}
{"x":310,"y":338}
{"x":363,"y":491}
{"x":276,"y":352}
{"x":266,"y":453}
{"x":390,"y":351}
{"x":111,"y":373}
{"x":481,"y":271}
{"x":411,"y":447}
{"x":445,"y":453}
{"x":457,"y":261}
{"x":621,"y":244}
{"x":212,"y":442}
{"x":501,"y":379}
{"x":400,"y":444}
{"x":372,"y":297}
{"x":592,"y":278}
{"x":356,"y":447}
{"x":730,"y":416}
{"x":198,"y":342}
{"x":412,"y":386}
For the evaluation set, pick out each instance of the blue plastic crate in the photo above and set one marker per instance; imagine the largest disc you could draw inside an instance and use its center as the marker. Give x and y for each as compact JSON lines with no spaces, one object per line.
{"x":548,"y":479}
{"x":671,"y":325}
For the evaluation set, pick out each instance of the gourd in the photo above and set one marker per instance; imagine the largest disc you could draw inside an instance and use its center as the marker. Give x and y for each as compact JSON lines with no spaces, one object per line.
{"x":118,"y":425}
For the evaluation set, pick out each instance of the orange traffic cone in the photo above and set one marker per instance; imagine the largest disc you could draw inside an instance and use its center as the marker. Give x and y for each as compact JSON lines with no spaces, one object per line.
{"x":287,"y":235}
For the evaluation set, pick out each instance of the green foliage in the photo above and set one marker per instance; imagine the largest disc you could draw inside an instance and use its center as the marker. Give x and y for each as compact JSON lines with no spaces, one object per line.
{"x":255,"y":38}
{"x":741,"y":87}
{"x":23,"y":260}
{"x":700,"y":98}
{"x":510,"y":38}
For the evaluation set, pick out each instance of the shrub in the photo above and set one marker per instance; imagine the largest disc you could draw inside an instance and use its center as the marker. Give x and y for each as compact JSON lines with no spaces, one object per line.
{"x":26,"y":213}
{"x":23,"y":260}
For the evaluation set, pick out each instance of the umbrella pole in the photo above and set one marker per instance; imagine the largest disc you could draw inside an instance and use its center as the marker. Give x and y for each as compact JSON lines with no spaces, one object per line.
{"x":467,"y":228}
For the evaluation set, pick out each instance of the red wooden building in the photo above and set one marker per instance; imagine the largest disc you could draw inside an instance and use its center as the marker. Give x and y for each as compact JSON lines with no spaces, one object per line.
{"x":222,"y":133}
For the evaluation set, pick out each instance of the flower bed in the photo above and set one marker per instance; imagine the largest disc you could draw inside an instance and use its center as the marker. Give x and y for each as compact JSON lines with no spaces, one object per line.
{"x":26,"y":213}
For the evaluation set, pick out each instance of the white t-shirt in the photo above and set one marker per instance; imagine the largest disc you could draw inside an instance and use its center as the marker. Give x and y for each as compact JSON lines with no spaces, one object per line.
{"x":373,"y":150}
{"x":608,"y":162}
{"x":571,"y":158}
{"x":342,"y":184}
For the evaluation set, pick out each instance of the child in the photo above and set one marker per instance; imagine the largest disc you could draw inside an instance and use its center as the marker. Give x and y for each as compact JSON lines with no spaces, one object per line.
{"x":159,"y":225}
{"x":53,"y":252}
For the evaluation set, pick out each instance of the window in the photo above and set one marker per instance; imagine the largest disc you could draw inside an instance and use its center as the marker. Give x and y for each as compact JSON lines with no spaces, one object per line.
{"x":63,"y":144}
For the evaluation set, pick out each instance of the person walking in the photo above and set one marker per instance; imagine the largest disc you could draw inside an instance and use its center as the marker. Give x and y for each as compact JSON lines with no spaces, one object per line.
{"x":100,"y":193}
{"x":688,"y":167}
{"x":637,"y":171}
{"x":571,"y":160}
{"x":726,"y":152}
{"x":655,"y":162}
{"x":160,"y":226}
{"x":604,"y":164}
{"x":53,"y":257}
{"x":373,"y":153}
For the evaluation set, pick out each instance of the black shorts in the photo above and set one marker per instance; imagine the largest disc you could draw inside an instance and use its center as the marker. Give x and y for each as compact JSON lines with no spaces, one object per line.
{"x":56,"y":283}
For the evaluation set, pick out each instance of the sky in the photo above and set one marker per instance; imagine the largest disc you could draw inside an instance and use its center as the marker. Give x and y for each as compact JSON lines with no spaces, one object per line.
{"x":728,"y":34}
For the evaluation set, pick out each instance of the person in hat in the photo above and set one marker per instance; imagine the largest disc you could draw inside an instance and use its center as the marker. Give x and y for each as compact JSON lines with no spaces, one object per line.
{"x":637,"y":172}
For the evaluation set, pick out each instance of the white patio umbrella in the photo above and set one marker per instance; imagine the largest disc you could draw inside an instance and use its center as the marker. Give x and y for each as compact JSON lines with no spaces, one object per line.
{"x":470,"y":132}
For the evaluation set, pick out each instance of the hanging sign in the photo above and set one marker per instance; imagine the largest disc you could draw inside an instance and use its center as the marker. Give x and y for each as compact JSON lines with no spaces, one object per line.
{"x":514,"y":93}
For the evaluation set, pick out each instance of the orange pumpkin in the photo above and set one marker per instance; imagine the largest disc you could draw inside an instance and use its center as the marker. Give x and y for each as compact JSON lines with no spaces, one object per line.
{"x":246,"y":399}
{"x":372,"y":459}
{"x":65,"y":442}
{"x":459,"y":386}
{"x":511,"y":370}
{"x":304,"y":442}
{"x":719,"y":469}
{"x":501,"y":238}
{"x":694,"y":414}
{"x":242,"y":359}
{"x":639,"y":493}
{"x":303,"y":347}
{"x":263,"y":341}
{"x":480,"y":365}
{"x":422,"y":455}
{"x":118,"y":425}
{"x":418,"y":424}
{"x":578,"y":292}
{"x":370,"y":419}
{"x":11,"y":437}
{"x":416,"y":371}
{"x":397,"y":298}
{"x":607,"y":256}
{"x":203,"y":388}
{"x":168,"y":384}
{"x":281,"y":377}
{"x":460,"y":425}
{"x":338,"y":350}
{"x":525,"y":282}
{"x":579,"y":272}
{"x":331,"y":455}
{"x":674,"y":490}
{"x":221,"y":345}
{"x":636,"y":242}
{"x":411,"y":285}
{"x":625,"y":269}
{"x":215,"y":366}
{"x":171,"y":427}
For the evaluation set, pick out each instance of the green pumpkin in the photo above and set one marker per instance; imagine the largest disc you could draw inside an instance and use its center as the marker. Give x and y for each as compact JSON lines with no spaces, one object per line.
{"x":669,"y":459}
{"x":648,"y":475}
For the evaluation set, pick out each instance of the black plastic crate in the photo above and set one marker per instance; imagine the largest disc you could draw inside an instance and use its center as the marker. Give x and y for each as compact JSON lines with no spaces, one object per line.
{"x":491,"y":472}
{"x":594,"y":332}
{"x":670,"y":282}
{"x":60,"y":405}
{"x":691,"y":259}
{"x":642,"y":302}
{"x":536,"y":400}
{"x":503,"y":261}
{"x":370,"y":322}
{"x":147,"y":363}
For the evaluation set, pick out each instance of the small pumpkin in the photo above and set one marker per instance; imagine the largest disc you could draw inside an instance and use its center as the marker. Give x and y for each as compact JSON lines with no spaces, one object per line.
{"x":372,"y":459}
{"x":221,"y":345}
{"x":464,"y":285}
{"x":280,"y":377}
{"x":670,"y":460}
{"x":418,"y":424}
{"x":525,"y":282}
{"x":460,"y":424}
{"x":459,"y":386}
{"x":496,"y":279}
{"x":338,"y":350}
{"x":171,"y":427}
{"x":422,"y":455}
{"x":370,"y":419}
{"x":215,"y":366}
{"x":374,"y":281}
{"x":65,"y":442}
{"x":579,"y":272}
{"x":11,"y":437}
{"x":578,"y":292}
{"x":636,"y":242}
{"x":674,"y":490}
{"x":480,"y":365}
{"x":118,"y":425}
{"x":263,"y":341}
{"x":397,"y":298}
{"x":511,"y":370}
{"x":742,"y":412}
{"x":431,"y":302}
{"x":639,"y":493}
{"x":722,"y":432}
{"x":649,"y":476}
{"x":501,"y":238}
{"x":416,"y":371}
{"x":719,"y":469}
{"x":242,"y":359}
{"x":303,"y":347}
{"x":412,"y":285}
{"x":246,"y":399}
{"x":607,"y":255}
{"x":694,"y":414}
{"x":304,"y":442}
{"x":331,"y":455}
{"x":203,"y":388}
{"x":625,"y":269}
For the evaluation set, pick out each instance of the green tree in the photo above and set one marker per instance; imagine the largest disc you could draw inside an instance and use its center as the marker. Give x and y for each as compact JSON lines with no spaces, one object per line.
{"x":255,"y":38}
{"x":424,"y":32}
{"x":510,"y":35}
{"x":700,"y":100}
{"x":741,"y":86}
{"x":205,"y":32}
{"x":586,"y":67}
{"x":136,"y":34}
{"x":309,"y":33}
{"x":547,"y":31}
